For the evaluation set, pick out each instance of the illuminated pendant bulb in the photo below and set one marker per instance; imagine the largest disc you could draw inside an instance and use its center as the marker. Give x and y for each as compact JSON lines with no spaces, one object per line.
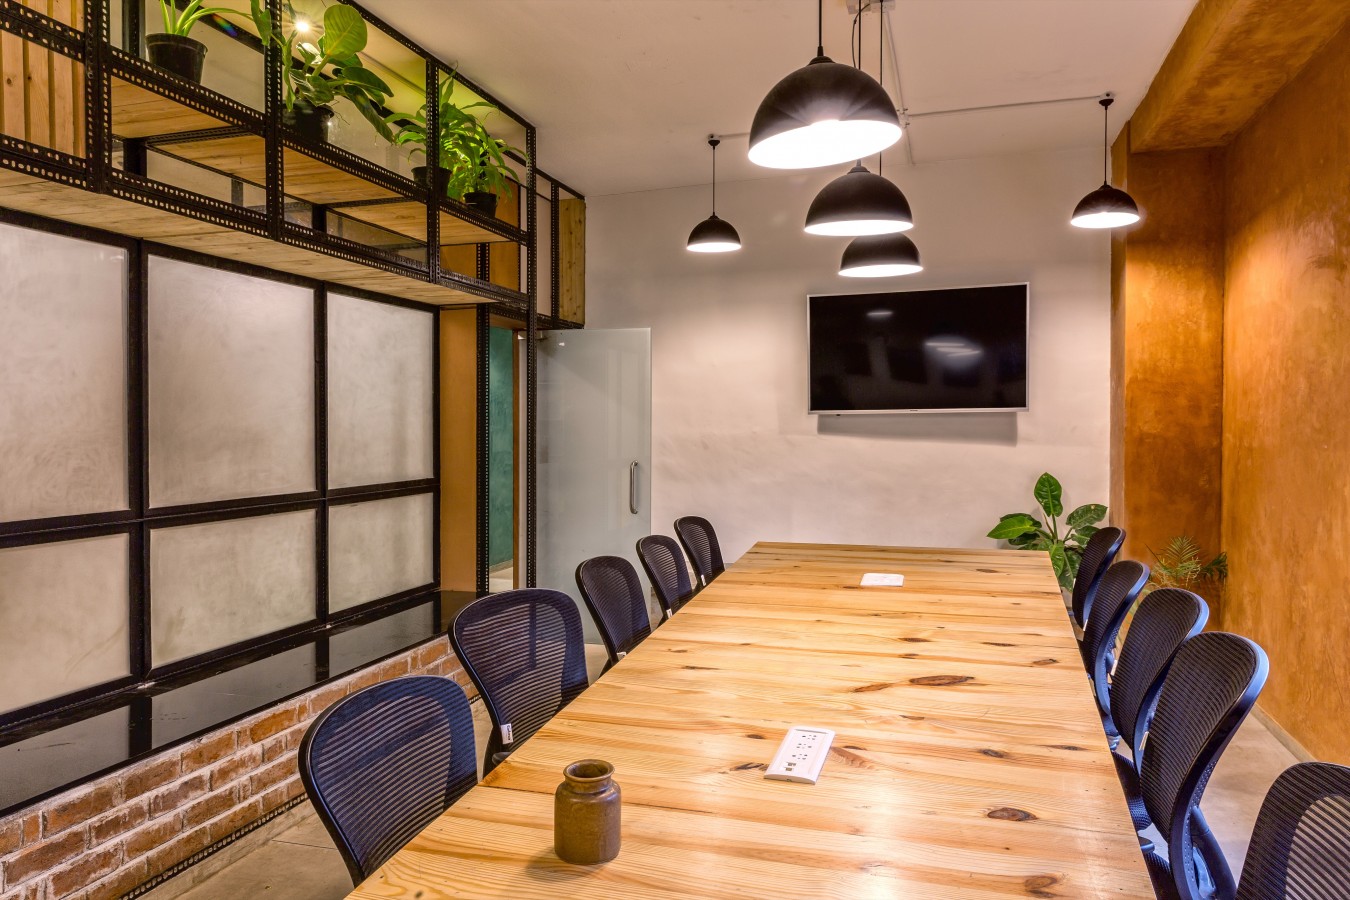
{"x":1106,"y":207}
{"x":713,"y":235}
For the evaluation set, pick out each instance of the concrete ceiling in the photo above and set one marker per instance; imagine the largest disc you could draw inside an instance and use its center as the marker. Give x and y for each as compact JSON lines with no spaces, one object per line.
{"x":625,"y":92}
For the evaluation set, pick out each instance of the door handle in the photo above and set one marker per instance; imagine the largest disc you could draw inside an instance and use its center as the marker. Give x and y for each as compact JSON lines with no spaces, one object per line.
{"x":632,"y":487}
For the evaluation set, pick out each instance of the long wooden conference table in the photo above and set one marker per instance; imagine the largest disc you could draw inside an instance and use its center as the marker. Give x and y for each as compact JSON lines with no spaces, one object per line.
{"x":969,"y":759}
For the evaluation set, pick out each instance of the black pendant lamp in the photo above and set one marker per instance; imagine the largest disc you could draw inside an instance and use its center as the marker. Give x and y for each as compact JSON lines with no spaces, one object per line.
{"x":714,"y":235}
{"x":1106,"y":207}
{"x":859,"y":202}
{"x":880,"y":256}
{"x":823,"y":114}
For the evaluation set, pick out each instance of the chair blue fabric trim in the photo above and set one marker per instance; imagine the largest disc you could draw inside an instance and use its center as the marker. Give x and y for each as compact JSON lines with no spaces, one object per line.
{"x":699,"y":540}
{"x":613,"y":593}
{"x":1098,"y":555}
{"x":525,"y":652}
{"x":663,"y":561}
{"x":1115,"y":595}
{"x":381,"y":764}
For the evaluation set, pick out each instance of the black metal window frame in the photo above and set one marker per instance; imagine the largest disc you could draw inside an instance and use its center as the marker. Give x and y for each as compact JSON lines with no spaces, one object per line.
{"x":140,"y":518}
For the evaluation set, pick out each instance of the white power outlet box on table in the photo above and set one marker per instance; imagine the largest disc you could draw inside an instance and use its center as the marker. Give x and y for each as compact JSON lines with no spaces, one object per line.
{"x":883,"y":579}
{"x":801,"y":755}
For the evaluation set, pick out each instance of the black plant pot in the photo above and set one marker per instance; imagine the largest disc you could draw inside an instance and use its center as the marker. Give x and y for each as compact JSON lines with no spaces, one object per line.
{"x":483,"y":201}
{"x":183,"y":56}
{"x":420,"y":174}
{"x":310,"y":122}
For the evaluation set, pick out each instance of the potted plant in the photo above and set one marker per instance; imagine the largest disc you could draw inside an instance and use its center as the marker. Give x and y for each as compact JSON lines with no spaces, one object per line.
{"x":172,"y":50}
{"x":473,"y":162}
{"x":1065,"y":547}
{"x":327,"y":69}
{"x":1180,"y":565}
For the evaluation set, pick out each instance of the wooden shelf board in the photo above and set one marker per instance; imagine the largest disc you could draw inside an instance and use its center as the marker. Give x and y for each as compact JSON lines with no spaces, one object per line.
{"x":244,"y":156}
{"x":410,"y":219}
{"x":70,"y":204}
{"x":138,"y":113}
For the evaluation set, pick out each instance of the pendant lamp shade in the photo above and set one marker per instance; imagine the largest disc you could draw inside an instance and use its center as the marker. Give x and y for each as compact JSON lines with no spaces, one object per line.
{"x":858,"y":203}
{"x":713,"y":235}
{"x":880,"y":256}
{"x":1106,"y":207}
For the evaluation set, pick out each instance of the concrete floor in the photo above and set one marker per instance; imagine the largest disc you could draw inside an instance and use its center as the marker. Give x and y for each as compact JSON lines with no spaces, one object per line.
{"x":302,"y":864}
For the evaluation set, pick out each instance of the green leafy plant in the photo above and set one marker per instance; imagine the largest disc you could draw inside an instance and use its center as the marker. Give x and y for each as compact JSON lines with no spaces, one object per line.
{"x":181,"y":21}
{"x":328,"y":68}
{"x":1180,"y":565}
{"x":476,"y":161}
{"x":1065,"y":546}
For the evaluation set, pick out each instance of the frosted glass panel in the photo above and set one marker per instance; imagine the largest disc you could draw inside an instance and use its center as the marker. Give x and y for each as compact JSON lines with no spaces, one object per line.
{"x":231,"y":385}
{"x":63,"y":418}
{"x":378,"y":548}
{"x":380,"y":371}
{"x":64,"y":613}
{"x":218,"y":583}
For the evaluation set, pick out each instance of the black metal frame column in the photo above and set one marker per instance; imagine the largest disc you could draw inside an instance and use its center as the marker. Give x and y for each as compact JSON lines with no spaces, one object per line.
{"x":531,"y":363}
{"x":483,"y":446}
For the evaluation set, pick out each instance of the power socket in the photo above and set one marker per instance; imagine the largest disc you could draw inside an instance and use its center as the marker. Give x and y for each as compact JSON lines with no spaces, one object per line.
{"x":801,"y":755}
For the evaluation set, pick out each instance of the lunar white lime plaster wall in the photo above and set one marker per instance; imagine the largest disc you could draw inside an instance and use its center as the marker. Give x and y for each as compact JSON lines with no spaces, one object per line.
{"x":731,"y":437}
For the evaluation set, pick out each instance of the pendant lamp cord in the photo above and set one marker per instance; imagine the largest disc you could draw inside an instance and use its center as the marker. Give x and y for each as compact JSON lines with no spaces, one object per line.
{"x":713,"y":142}
{"x":1106,"y":131}
{"x":820,"y":27}
{"x":881,"y":64}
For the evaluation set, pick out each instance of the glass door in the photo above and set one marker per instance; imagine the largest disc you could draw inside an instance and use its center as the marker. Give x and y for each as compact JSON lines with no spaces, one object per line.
{"x":594,"y":451}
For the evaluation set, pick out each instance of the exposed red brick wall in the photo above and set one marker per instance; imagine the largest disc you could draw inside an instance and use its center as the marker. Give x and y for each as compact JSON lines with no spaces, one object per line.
{"x":101,"y":840}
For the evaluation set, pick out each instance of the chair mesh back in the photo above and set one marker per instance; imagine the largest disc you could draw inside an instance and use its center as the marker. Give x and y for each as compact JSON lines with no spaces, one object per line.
{"x":1300,"y":848}
{"x":381,"y":764}
{"x":614,"y":595}
{"x":524,"y":651}
{"x":1115,"y":595}
{"x":1210,"y":688}
{"x":700,"y":542}
{"x":1098,"y":555}
{"x":1164,"y":619}
{"x":663,"y":561}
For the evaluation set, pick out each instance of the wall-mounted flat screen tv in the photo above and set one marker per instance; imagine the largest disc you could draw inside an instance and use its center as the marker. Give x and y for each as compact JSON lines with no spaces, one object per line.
{"x":947,"y":350}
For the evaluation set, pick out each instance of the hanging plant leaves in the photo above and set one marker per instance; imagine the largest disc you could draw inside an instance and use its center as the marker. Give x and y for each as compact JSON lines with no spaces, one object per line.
{"x":344,"y":31}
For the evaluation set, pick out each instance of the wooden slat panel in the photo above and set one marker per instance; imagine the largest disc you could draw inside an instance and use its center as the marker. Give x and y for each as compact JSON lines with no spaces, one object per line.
{"x":410,"y":219}
{"x":37,"y":86}
{"x":138,"y":113}
{"x":969,"y":761}
{"x":571,"y":239}
{"x":62,"y":93}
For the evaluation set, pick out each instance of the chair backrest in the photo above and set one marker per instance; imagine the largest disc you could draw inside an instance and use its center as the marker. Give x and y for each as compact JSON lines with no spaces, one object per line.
{"x":525,"y":652}
{"x":614,"y":595}
{"x":1211,"y":686}
{"x":381,"y":764}
{"x":1116,"y":593}
{"x":1300,"y":847}
{"x":700,"y":542}
{"x":1163,"y":620}
{"x":663,"y":561}
{"x":1097,"y":557}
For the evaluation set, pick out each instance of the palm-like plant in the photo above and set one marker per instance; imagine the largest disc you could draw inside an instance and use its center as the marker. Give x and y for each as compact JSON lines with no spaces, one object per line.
{"x":1179,"y":565}
{"x":329,"y":67}
{"x":476,"y":161}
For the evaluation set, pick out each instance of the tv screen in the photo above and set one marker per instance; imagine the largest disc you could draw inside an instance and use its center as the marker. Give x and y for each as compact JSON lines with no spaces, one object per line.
{"x":955,"y":349}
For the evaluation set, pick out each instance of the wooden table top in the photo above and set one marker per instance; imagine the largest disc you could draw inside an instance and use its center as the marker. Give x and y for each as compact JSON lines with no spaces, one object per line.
{"x":968,"y":761}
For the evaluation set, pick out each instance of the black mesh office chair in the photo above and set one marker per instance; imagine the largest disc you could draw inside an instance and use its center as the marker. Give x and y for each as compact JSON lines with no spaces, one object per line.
{"x":525,"y":652}
{"x":1098,"y":555}
{"x":700,"y":542}
{"x":1164,"y":620}
{"x":383,"y":763}
{"x":1300,"y":848}
{"x":663,"y":561}
{"x":1212,"y":685}
{"x":614,"y":595}
{"x":1116,"y":593}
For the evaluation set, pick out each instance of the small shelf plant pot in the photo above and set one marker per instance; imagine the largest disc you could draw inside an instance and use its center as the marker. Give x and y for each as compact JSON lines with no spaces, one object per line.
{"x":484,"y":202}
{"x":310,"y":122}
{"x":183,"y":56}
{"x":422,"y":175}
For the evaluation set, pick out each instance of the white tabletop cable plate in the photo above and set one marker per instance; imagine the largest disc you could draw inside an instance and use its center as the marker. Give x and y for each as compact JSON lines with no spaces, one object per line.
{"x":883,"y":579}
{"x":801,"y":755}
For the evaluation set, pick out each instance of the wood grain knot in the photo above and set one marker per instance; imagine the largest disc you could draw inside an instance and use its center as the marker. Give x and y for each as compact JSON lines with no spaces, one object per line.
{"x":988,"y":571}
{"x":875,"y":686}
{"x":997,"y":644}
{"x":682,"y":650}
{"x":702,"y":668}
{"x":941,"y":680}
{"x":743,"y":767}
{"x":1066,"y":747}
{"x":1011,"y":814}
{"x":996,"y":754}
{"x":1048,"y":661}
{"x":1039,"y":885}
{"x":756,"y":737}
{"x":916,"y":640}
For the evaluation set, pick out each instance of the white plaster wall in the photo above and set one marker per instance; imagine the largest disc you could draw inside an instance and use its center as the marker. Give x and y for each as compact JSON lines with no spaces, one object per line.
{"x":731,"y":438}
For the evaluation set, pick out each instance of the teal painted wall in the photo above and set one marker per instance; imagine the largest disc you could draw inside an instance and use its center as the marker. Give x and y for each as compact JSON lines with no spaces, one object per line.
{"x":501,"y":431}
